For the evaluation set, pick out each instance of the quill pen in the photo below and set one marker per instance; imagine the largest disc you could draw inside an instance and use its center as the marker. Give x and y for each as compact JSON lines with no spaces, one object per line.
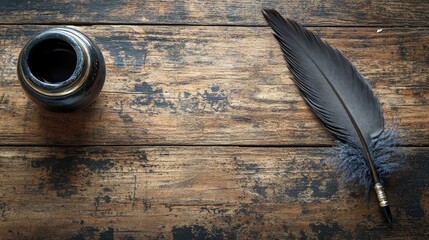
{"x":343,"y":100}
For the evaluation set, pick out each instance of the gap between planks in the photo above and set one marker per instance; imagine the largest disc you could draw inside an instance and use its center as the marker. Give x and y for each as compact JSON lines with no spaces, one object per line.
{"x":193,"y":145}
{"x":313,"y":25}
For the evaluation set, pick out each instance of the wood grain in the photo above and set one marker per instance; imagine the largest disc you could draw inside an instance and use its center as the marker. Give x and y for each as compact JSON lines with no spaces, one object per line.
{"x":200,"y":133}
{"x":194,"y":85}
{"x":218,"y":12}
{"x":199,"y":192}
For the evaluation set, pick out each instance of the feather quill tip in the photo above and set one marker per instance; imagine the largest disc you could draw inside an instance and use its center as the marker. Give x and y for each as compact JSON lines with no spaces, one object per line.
{"x":387,"y":214}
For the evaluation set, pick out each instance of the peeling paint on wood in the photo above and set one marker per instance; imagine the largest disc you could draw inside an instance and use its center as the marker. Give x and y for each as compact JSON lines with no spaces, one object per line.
{"x":198,"y":193}
{"x":217,"y":92}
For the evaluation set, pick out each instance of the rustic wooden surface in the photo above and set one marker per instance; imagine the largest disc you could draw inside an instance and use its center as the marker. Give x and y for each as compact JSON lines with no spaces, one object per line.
{"x":216,"y":12}
{"x":199,"y":132}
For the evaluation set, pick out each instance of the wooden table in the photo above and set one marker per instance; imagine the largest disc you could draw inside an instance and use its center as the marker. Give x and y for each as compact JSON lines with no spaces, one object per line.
{"x":199,"y":132}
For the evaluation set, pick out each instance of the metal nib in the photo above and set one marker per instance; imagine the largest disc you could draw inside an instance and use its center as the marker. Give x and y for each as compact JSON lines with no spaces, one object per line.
{"x":387,"y":214}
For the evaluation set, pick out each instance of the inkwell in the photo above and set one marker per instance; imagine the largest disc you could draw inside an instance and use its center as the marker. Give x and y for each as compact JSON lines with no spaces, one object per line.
{"x":61,"y":69}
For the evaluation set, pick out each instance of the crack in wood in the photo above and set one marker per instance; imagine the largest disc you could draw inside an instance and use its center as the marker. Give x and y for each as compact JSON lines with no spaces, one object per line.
{"x":134,"y":192}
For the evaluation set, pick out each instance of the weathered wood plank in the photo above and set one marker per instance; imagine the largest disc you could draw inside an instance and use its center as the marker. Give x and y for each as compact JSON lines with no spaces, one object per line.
{"x":213,"y":85}
{"x":237,"y":12}
{"x":217,"y":192}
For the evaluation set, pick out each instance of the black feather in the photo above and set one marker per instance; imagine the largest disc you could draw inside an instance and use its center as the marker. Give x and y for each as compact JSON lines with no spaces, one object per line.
{"x":339,"y":95}
{"x":331,"y":85}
